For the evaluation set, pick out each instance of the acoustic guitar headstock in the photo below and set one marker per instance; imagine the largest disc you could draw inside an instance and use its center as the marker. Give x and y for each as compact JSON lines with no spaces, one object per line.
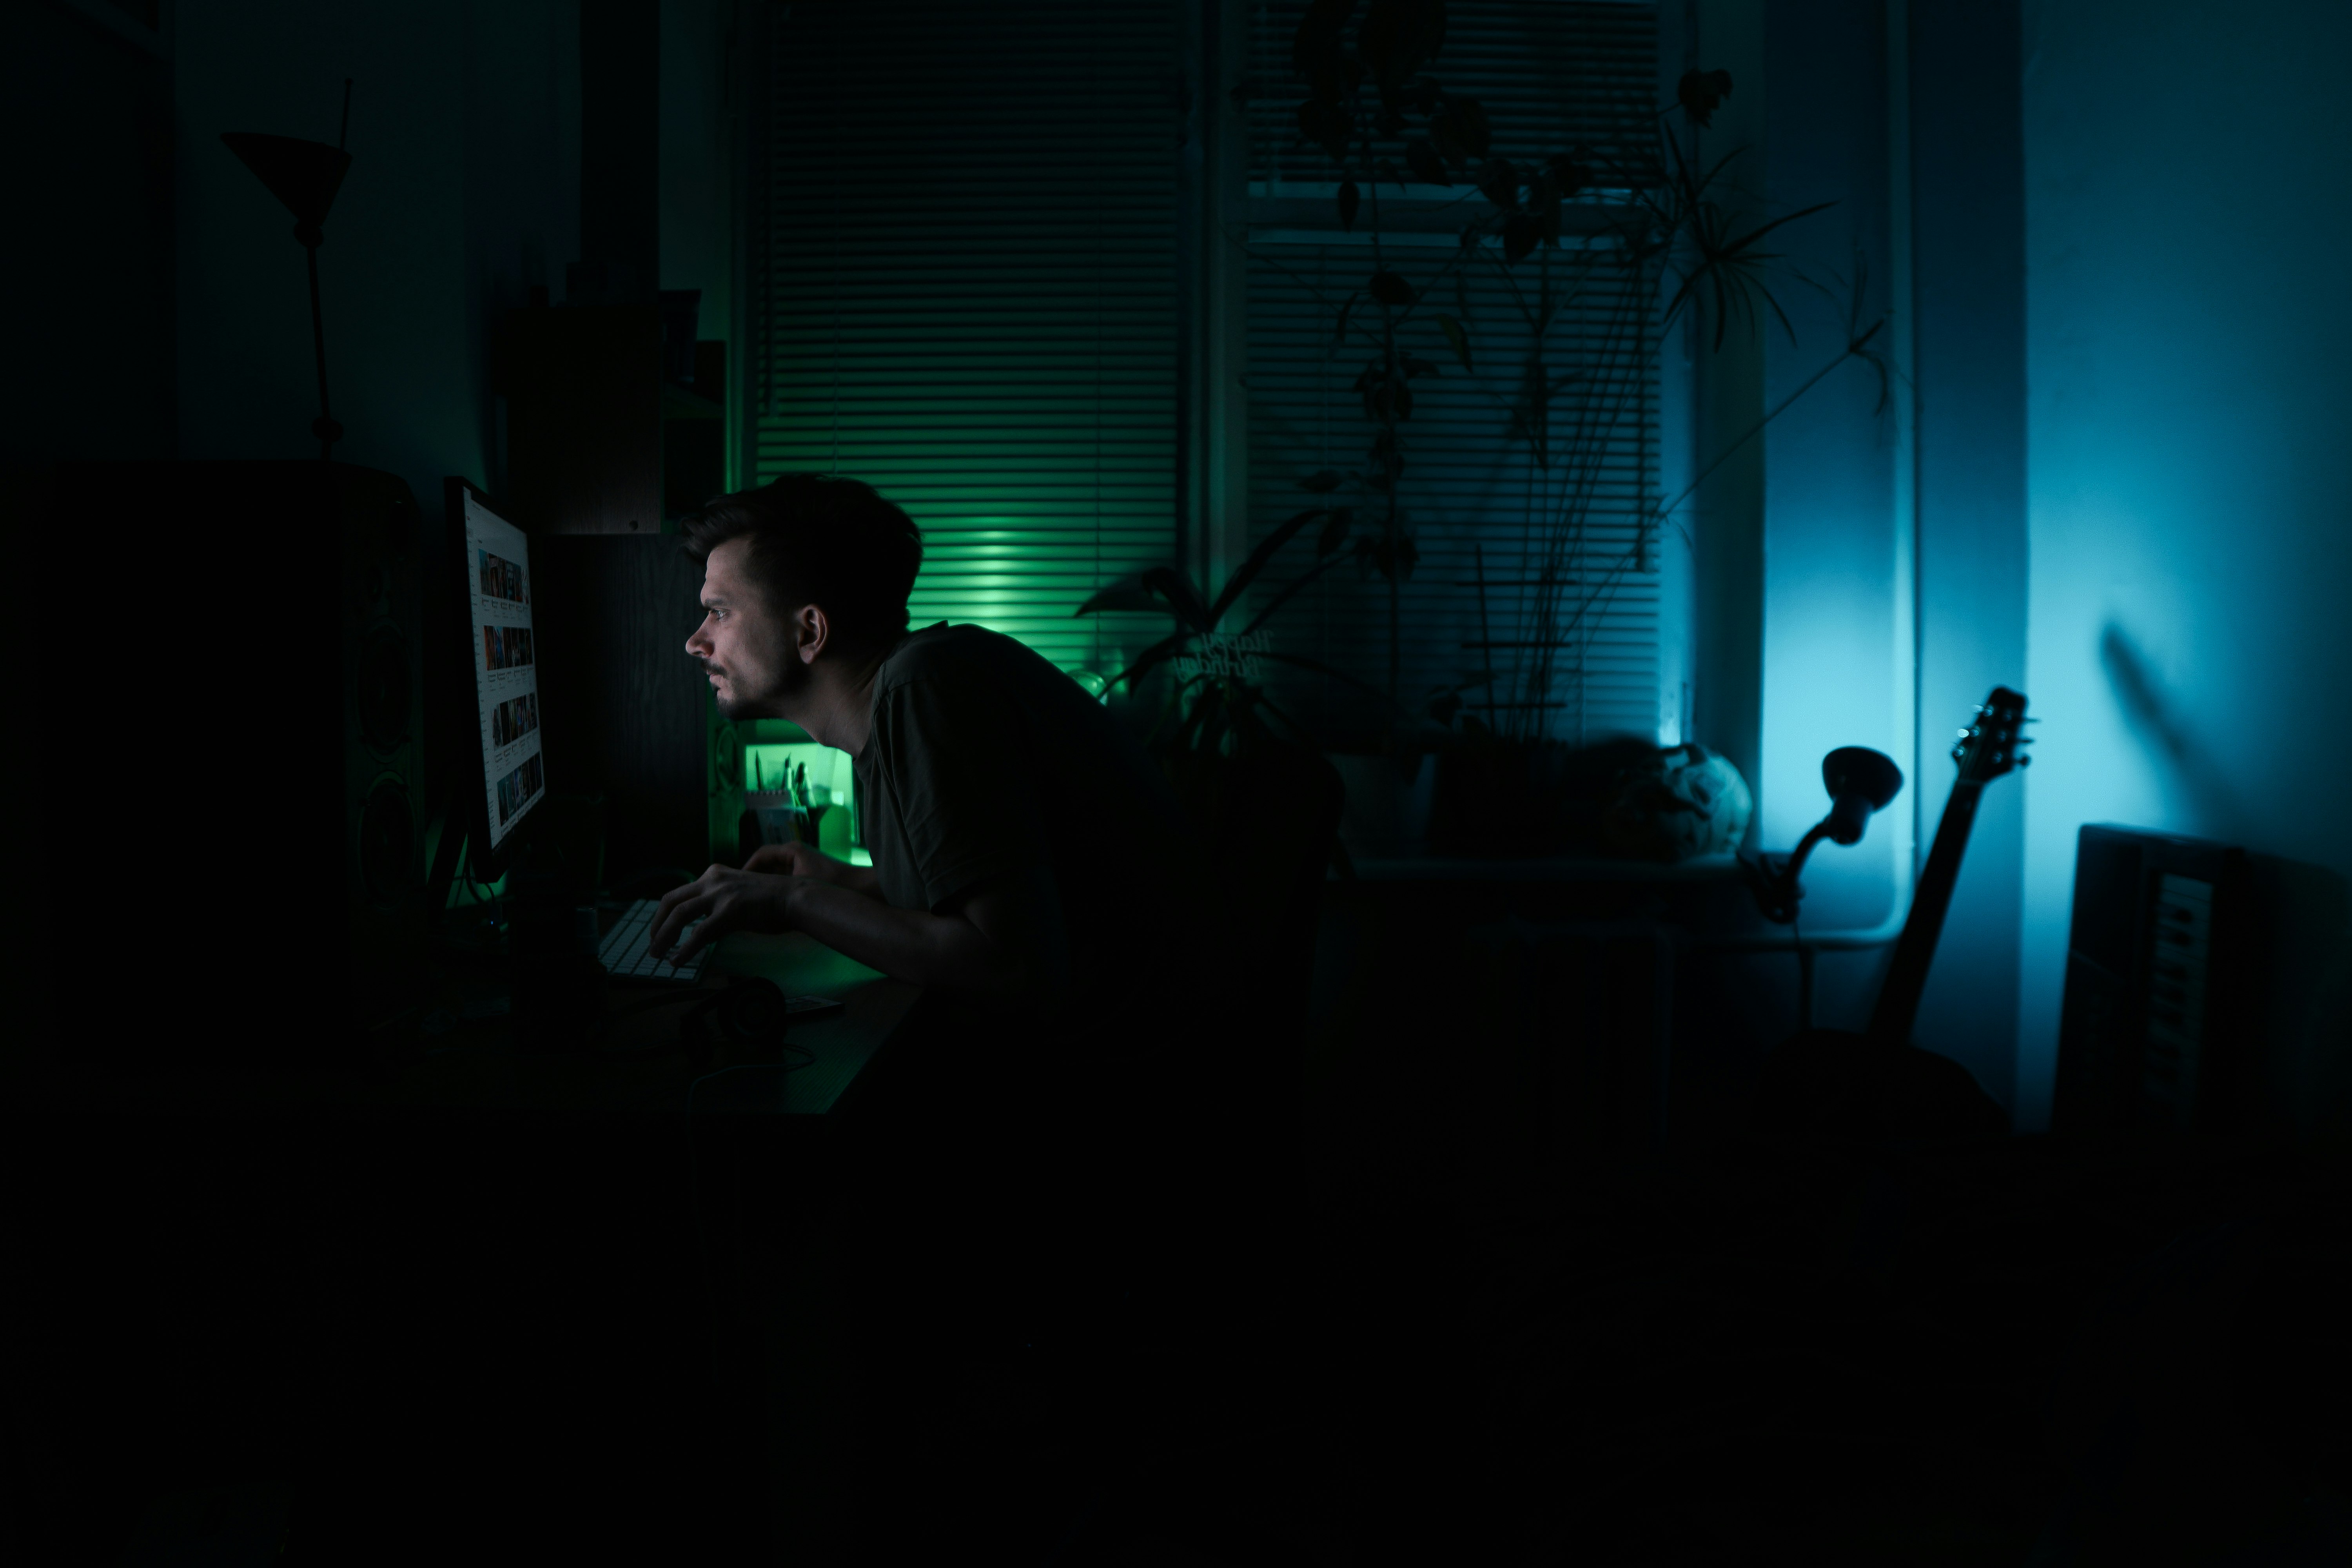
{"x":1995,"y":740}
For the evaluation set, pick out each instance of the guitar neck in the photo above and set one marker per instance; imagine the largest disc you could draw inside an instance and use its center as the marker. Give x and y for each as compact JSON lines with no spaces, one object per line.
{"x":1914,"y":950}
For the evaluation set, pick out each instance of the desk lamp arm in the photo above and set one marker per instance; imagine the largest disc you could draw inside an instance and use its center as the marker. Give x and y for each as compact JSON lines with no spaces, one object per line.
{"x":1860,"y":781}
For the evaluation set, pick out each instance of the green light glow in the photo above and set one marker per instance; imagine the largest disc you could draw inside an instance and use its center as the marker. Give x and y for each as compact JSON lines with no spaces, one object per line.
{"x":770,"y":767}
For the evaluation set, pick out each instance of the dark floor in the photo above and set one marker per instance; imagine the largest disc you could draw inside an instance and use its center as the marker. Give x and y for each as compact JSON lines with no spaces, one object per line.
{"x":499,"y":1338}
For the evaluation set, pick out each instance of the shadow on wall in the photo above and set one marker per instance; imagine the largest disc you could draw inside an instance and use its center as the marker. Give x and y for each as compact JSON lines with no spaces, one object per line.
{"x":2305,"y":911}
{"x":2155,"y":719}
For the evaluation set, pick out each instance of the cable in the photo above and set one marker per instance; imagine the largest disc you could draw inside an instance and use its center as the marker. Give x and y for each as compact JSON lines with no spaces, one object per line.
{"x":1804,"y":969}
{"x":476,"y":890}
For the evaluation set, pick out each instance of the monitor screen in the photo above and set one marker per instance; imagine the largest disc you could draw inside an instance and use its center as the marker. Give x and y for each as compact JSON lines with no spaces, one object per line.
{"x":506,"y":667}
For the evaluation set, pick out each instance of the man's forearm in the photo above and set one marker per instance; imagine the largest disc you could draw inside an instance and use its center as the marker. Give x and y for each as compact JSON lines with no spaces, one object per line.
{"x":909,"y":944}
{"x":860,"y":879}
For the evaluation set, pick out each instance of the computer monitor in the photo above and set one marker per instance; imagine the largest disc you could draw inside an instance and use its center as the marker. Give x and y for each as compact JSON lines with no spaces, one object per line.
{"x":508,"y":779}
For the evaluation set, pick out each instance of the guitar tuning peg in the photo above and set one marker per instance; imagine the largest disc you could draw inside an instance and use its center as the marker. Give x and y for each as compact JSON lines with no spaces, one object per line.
{"x":2023,"y":761}
{"x":1966,"y":733}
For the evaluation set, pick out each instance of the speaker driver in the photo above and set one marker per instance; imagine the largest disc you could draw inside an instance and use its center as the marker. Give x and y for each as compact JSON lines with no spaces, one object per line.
{"x":387,"y":844}
{"x":383,"y":688}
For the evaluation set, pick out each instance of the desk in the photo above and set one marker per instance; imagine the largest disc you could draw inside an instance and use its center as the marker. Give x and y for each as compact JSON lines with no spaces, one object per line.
{"x":437,"y":1059}
{"x":613,"y":1301}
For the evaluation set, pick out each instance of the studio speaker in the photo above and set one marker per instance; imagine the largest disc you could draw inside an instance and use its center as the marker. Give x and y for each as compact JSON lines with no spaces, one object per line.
{"x":251,"y":637}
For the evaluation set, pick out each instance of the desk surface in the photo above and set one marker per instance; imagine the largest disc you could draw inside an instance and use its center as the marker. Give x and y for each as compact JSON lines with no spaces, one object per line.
{"x":446,"y":1060}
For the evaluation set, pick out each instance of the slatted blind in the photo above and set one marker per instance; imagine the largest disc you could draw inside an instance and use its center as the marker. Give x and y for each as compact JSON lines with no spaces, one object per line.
{"x":966,"y":294}
{"x":1570,"y":570}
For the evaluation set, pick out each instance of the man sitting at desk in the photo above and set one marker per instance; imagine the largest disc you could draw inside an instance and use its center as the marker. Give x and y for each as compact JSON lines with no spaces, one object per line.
{"x":1031,"y":870}
{"x":1028,"y":857}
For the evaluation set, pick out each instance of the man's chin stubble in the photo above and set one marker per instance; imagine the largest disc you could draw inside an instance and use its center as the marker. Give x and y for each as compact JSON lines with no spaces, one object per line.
{"x":735,"y":710}
{"x":734,"y":705}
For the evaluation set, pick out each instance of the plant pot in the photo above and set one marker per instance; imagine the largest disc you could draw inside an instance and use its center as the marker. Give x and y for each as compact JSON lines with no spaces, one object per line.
{"x":1387,"y":812}
{"x":1500,"y":799}
{"x":1617,"y":799}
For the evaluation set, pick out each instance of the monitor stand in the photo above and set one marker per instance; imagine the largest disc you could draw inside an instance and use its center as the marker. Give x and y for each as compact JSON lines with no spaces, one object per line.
{"x":563,"y":838}
{"x":443,"y":875}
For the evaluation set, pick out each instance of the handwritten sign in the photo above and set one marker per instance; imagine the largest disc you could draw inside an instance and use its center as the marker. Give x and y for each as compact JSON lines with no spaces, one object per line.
{"x":1223,"y":657}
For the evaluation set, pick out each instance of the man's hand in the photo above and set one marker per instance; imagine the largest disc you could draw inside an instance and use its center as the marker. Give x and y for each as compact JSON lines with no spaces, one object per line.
{"x":723,"y":899}
{"x":802,"y":860}
{"x":1004,"y":937}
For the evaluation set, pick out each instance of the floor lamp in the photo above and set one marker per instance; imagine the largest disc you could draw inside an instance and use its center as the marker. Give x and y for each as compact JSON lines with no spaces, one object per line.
{"x":305,"y":176}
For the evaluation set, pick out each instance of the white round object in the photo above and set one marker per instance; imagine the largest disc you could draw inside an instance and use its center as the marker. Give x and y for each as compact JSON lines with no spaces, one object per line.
{"x":1690,"y":802}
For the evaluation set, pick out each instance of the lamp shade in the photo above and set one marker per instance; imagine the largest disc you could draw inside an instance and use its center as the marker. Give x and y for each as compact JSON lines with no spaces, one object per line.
{"x":305,"y":176}
{"x":1860,"y":781}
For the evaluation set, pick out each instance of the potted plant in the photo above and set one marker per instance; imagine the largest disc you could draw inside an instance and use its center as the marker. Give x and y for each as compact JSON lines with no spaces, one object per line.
{"x":1507,"y":784}
{"x":1217,"y":700}
{"x":1372,"y":107}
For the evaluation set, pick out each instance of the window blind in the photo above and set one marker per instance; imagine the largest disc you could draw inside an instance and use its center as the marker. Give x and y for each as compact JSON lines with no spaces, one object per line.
{"x":966,"y":295}
{"x":1545,"y":574}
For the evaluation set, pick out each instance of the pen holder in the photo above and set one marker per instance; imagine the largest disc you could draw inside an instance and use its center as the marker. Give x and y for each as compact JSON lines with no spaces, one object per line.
{"x":768,"y":818}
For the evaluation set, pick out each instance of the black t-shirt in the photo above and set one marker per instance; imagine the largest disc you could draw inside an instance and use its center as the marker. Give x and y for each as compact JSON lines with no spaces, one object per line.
{"x":986,"y":761}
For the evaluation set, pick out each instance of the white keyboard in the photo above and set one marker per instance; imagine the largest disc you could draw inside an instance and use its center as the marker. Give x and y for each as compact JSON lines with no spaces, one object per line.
{"x":623,"y":952}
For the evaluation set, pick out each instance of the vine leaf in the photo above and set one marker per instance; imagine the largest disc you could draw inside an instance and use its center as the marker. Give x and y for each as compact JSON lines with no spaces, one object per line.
{"x":1183,"y":597}
{"x":1293,"y":588}
{"x":1520,"y":232}
{"x":1458,"y":338}
{"x":1729,"y":268}
{"x":1151,"y":659}
{"x":1499,"y":183}
{"x":1127,"y":593}
{"x":1702,"y":93}
{"x":1247,"y":572}
{"x":1314,"y":47}
{"x":1422,"y":160}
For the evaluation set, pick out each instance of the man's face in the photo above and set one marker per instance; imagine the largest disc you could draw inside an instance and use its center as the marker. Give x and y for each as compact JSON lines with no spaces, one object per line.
{"x":741,"y":642}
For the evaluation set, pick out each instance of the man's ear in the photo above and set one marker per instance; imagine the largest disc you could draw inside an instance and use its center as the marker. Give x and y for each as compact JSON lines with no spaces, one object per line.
{"x":811,"y":632}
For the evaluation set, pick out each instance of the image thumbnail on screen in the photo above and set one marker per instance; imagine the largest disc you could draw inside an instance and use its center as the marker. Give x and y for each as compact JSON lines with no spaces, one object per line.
{"x":513,"y":718}
{"x":501,"y":578}
{"x":518,"y":788}
{"x":506,"y":647}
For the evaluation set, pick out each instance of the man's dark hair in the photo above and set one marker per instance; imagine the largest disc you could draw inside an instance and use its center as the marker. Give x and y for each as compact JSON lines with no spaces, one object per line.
{"x":818,"y":539}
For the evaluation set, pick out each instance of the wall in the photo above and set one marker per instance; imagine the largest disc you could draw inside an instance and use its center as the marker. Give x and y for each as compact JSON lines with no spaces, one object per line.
{"x":86,"y":96}
{"x":1725,"y":515}
{"x":463,"y":192}
{"x":696,"y":167}
{"x":1890,"y":564}
{"x":1969,"y":303}
{"x":2192,"y":530}
{"x":1831,"y":563}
